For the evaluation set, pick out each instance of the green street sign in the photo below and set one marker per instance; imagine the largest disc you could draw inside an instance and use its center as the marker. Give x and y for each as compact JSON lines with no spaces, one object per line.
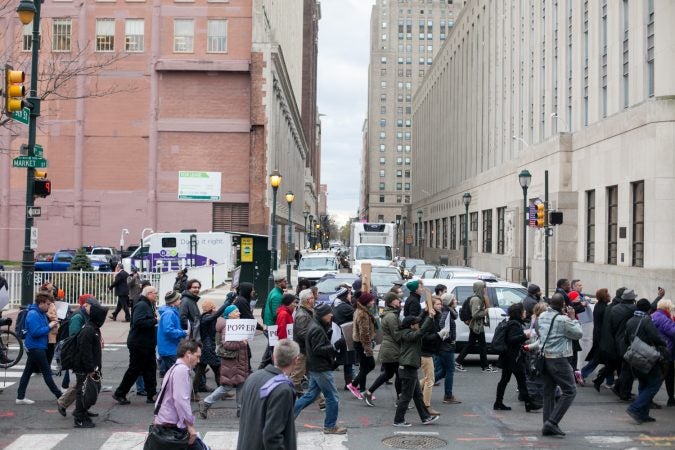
{"x":35,"y":162}
{"x":38,"y":151}
{"x":22,"y":116}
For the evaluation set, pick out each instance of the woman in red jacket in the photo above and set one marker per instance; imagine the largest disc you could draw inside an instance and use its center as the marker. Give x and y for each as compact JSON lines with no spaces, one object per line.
{"x":285,"y":315}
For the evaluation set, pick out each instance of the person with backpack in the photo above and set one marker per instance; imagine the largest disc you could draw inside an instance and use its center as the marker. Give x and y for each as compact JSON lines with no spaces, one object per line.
{"x":478,"y":305}
{"x":72,"y":326}
{"x":37,"y":329}
{"x":87,"y":367}
{"x":431,"y":343}
{"x":512,"y":359}
{"x":444,"y":360}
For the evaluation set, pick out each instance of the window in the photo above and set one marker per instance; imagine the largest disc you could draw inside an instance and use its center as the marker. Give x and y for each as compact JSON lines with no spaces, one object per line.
{"x":487,"y":231}
{"x":406,"y":199}
{"x":381,"y":173}
{"x":134,"y":31}
{"x":612,"y":223}
{"x":383,"y":135}
{"x":168,"y":242}
{"x":603,"y":59}
{"x":183,"y":35}
{"x":61,"y":29}
{"x":590,"y":226}
{"x":399,"y":161}
{"x":500,"y":230}
{"x":462,"y":229}
{"x":399,"y":199}
{"x":105,"y":35}
{"x":383,"y":60}
{"x":380,"y":218}
{"x":383,"y":97}
{"x":445,"y":232}
{"x":382,"y":185}
{"x":383,"y":72}
{"x":217,"y":36}
{"x":381,"y":198}
{"x":383,"y":123}
{"x":383,"y":161}
{"x":650,"y":48}
{"x":638,"y":189}
{"x":383,"y":148}
{"x":453,"y":233}
{"x":399,"y":186}
{"x":383,"y":84}
{"x":383,"y":109}
{"x":438,"y":234}
{"x":473,"y":218}
{"x":626,"y":54}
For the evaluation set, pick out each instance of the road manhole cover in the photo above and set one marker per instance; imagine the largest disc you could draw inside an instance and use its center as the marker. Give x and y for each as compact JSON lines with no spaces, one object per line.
{"x":412,"y":441}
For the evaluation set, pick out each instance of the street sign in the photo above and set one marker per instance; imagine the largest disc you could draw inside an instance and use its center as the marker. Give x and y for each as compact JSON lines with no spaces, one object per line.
{"x":22,"y":116}
{"x":33,"y":211}
{"x":33,"y":238}
{"x":38,"y":151}
{"x":36,"y":162}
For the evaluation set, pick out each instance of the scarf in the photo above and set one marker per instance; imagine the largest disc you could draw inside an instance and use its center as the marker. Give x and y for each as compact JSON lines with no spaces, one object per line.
{"x":272,"y":383}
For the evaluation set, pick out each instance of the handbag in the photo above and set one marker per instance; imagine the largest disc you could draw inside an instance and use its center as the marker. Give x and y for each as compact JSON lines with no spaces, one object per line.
{"x":90,"y":390}
{"x":640,"y":355}
{"x":536,"y":363}
{"x":161,"y":437}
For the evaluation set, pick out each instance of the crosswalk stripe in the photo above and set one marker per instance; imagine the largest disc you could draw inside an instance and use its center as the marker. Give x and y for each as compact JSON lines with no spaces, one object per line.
{"x":604,"y":440}
{"x":41,"y":441}
{"x":125,"y":441}
{"x":6,"y":384}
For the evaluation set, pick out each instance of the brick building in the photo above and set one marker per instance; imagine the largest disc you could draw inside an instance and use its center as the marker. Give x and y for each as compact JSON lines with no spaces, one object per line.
{"x":162,"y":86}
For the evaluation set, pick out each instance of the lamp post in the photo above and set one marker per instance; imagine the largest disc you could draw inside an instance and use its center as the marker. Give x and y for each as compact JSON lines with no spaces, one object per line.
{"x":404,"y":235}
{"x":419,"y":234}
{"x":311,"y":232}
{"x":142,"y":238}
{"x":305,"y":214}
{"x":275,"y":181}
{"x":124,"y":231}
{"x":28,"y":12}
{"x":289,"y":199}
{"x":318,"y":233}
{"x":524,"y":178}
{"x":466,"y":199}
{"x":398,"y":224}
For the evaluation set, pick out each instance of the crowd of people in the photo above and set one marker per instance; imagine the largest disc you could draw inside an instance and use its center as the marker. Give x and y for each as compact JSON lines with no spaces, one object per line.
{"x":538,"y":344}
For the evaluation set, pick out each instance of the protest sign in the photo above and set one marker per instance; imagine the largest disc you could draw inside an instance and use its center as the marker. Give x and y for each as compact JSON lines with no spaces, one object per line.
{"x":237,"y":330}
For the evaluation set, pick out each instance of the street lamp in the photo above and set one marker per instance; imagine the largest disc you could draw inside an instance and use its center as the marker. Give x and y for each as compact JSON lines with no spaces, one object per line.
{"x":305,"y":214}
{"x":275,"y":181}
{"x":29,"y":11}
{"x":317,"y":225}
{"x":289,"y":199}
{"x":124,"y":231}
{"x":404,"y":235}
{"x":311,"y":232}
{"x":419,"y":233}
{"x":466,"y":199}
{"x":524,"y":178}
{"x":398,"y":224}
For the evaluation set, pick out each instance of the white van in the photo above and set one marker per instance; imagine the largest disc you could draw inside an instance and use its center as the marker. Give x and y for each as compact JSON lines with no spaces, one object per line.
{"x":162,"y":252}
{"x":315,"y":265}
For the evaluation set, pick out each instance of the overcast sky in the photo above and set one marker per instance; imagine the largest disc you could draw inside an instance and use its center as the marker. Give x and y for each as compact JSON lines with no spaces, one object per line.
{"x":344,"y":37}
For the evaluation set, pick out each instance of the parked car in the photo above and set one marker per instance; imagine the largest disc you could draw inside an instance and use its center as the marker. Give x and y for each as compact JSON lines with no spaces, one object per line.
{"x":105,"y":254}
{"x":328,"y":285}
{"x":44,"y":257}
{"x":129,"y":250}
{"x":61,"y":260}
{"x":315,"y":265}
{"x":383,"y":279}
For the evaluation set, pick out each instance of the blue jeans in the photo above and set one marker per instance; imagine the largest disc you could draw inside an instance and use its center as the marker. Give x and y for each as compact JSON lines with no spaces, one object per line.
{"x":165,"y":363}
{"x":140,"y":384}
{"x":65,"y":383}
{"x":37,"y":360}
{"x":321,"y":382}
{"x":588,"y":369}
{"x":648,"y":387}
{"x":444,"y":363}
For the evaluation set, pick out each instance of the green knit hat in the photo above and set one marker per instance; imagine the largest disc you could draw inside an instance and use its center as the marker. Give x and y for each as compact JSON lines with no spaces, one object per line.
{"x":412,"y":285}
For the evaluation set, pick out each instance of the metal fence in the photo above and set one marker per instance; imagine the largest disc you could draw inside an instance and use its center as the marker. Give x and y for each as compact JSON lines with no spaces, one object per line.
{"x":74,"y":284}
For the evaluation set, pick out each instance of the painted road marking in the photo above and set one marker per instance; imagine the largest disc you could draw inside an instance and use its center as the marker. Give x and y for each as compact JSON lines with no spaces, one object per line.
{"x":124,"y":440}
{"x":41,"y":441}
{"x":600,"y":440}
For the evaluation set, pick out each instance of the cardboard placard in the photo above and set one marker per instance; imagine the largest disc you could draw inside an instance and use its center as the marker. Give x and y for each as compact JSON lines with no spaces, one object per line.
{"x":337,"y":333}
{"x":237,"y":330}
{"x":347,"y":329}
{"x":366,"y":270}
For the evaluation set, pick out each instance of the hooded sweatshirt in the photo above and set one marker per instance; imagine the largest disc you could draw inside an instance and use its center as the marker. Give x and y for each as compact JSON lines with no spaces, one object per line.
{"x":479,"y":312}
{"x":89,"y":357}
{"x":169,"y":331}
{"x":37,"y":328}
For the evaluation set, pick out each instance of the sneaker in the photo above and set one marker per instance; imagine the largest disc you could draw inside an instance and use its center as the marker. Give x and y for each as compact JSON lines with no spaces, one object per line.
{"x":24,"y":401}
{"x":490,"y":369}
{"x":649,"y":419}
{"x":141,"y":393}
{"x":61,"y":408}
{"x":203,"y":409}
{"x":429,"y":420}
{"x":671,"y":402}
{"x":354,"y":391}
{"x":335,"y":430}
{"x":322,"y":407}
{"x":579,"y":379}
{"x":85,"y":424}
{"x":654,"y":405}
{"x":122,"y":400}
{"x":106,"y":389}
{"x":368,"y":399}
{"x":459,"y":368}
{"x":402,"y":424}
{"x":432,"y":411}
{"x":450,"y":400}
{"x":635,"y":416}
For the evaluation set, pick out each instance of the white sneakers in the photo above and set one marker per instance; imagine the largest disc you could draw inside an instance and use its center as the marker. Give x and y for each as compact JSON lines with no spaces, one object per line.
{"x":24,"y":401}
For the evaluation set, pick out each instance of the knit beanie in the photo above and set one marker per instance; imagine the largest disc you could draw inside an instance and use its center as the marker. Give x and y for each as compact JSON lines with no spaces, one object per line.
{"x":412,"y":285}
{"x":643,"y":305}
{"x":366,"y":298}
{"x":533,"y":289}
{"x":208,"y":305}
{"x":408,"y":321}
{"x":322,"y":310}
{"x":229,"y":310}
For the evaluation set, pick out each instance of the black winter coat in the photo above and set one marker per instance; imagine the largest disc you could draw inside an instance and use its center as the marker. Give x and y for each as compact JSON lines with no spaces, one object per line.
{"x":120,"y":283}
{"x":243,"y":303}
{"x":320,"y":352}
{"x":431,"y":341}
{"x":413,"y":305}
{"x":207,"y":332}
{"x":89,"y":356}
{"x":612,"y":344}
{"x":448,"y":345}
{"x":648,"y":333}
{"x":343,"y":313}
{"x":515,"y":337}
{"x":143,"y":332}
{"x":598,"y":319}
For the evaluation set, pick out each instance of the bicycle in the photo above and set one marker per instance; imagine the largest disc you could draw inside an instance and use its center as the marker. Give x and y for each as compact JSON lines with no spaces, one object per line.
{"x":11,"y":347}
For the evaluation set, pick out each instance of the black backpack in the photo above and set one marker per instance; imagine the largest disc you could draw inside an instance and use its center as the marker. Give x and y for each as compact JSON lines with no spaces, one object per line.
{"x":65,"y":352}
{"x":465,"y":312}
{"x":20,"y":325}
{"x":64,"y":326}
{"x":499,"y":338}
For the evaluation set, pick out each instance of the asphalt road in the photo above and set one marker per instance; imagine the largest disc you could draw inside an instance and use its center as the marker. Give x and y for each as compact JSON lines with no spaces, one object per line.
{"x":596,"y":420}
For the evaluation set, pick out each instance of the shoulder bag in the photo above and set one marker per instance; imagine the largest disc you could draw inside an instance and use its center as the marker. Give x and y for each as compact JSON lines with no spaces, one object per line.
{"x":161,"y":437}
{"x":640,"y":355}
{"x":536,"y":364}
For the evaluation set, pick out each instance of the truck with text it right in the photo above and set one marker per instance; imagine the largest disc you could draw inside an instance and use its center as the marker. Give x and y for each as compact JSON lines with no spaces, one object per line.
{"x":372,"y":243}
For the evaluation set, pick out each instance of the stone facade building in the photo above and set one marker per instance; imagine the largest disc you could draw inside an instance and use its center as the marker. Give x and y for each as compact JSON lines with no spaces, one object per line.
{"x":194,"y":85}
{"x":583,"y":89}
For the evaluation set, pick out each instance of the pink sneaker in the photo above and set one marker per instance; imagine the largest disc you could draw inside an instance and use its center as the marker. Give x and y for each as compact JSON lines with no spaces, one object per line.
{"x":579,"y":379}
{"x":354,"y":391}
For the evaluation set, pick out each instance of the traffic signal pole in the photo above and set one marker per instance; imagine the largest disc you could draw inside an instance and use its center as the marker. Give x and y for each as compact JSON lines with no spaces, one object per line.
{"x":547,"y":232}
{"x":28,"y":261}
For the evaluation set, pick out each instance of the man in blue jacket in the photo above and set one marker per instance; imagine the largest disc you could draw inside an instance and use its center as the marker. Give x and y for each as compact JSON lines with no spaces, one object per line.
{"x":37,"y":331}
{"x":169,"y":331}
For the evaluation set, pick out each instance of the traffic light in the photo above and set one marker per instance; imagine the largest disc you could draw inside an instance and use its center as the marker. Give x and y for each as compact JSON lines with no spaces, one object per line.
{"x":14,"y":89}
{"x":42,"y":187}
{"x":540,"y":215}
